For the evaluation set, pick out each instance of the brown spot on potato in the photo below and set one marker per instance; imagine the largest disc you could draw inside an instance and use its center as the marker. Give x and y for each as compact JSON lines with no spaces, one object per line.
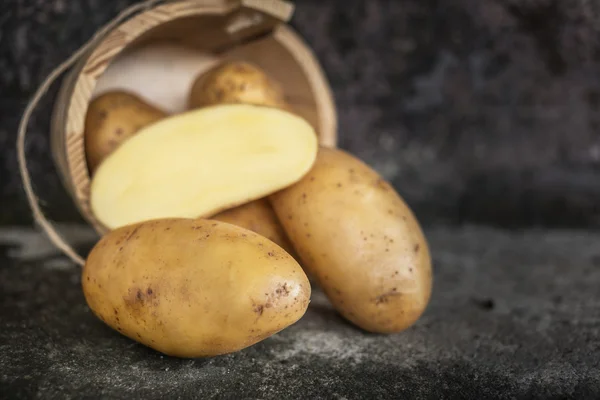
{"x":339,"y":185}
{"x":417,"y":247}
{"x":385,"y":298}
{"x":130,"y":235}
{"x":149,"y":291}
{"x":283,"y":290}
{"x":112,"y":143}
{"x":259,"y":309}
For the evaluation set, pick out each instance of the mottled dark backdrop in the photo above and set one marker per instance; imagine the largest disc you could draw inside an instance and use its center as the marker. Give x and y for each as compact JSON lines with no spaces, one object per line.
{"x":481,"y":111}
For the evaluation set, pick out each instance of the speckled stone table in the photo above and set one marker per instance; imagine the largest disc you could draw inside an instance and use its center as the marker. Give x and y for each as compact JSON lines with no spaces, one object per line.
{"x":484,"y":114}
{"x":513,"y":316}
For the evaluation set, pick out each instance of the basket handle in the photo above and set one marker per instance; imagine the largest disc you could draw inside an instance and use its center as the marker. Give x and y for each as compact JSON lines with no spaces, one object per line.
{"x":277,"y":8}
{"x":282,"y":10}
{"x":56,"y":238}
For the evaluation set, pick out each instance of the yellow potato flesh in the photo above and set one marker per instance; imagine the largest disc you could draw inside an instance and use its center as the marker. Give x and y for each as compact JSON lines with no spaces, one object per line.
{"x":201,"y":162}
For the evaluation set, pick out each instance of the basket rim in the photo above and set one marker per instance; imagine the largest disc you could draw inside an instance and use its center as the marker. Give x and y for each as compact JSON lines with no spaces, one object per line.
{"x":107,"y":48}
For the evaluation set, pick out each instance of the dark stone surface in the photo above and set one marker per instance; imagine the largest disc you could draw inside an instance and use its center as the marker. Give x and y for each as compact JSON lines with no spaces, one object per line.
{"x":513,"y":316}
{"x":477,"y":110}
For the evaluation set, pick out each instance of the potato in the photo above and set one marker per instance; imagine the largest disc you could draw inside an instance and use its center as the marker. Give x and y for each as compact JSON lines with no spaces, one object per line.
{"x":240,"y":82}
{"x":201,"y":162}
{"x":111,"y":119}
{"x":360,"y":241}
{"x":236,"y":82}
{"x":259,"y":217}
{"x":193,"y":288}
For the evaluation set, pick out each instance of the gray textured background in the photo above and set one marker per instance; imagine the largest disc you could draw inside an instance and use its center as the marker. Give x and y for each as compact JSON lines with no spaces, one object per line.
{"x":478,"y":111}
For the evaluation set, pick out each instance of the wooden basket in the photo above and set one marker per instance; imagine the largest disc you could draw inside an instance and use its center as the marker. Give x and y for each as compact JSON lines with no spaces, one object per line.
{"x":251,"y":30}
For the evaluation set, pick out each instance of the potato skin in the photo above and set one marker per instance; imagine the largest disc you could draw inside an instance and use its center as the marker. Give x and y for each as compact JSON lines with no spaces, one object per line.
{"x":360,"y":241}
{"x":236,"y":82}
{"x":259,"y":217}
{"x":193,"y":288}
{"x":111,"y":119}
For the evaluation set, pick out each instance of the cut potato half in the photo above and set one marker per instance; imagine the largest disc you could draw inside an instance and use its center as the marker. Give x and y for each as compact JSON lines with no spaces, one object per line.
{"x":201,"y":162}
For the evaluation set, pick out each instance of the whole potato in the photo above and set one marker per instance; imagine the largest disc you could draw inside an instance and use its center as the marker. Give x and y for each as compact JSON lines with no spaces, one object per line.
{"x":236,"y":82}
{"x":111,"y":119}
{"x":193,"y":288}
{"x":259,"y":217}
{"x":360,"y":241}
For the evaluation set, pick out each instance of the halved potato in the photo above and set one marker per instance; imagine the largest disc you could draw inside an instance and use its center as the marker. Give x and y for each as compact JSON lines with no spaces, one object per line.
{"x":201,"y":162}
